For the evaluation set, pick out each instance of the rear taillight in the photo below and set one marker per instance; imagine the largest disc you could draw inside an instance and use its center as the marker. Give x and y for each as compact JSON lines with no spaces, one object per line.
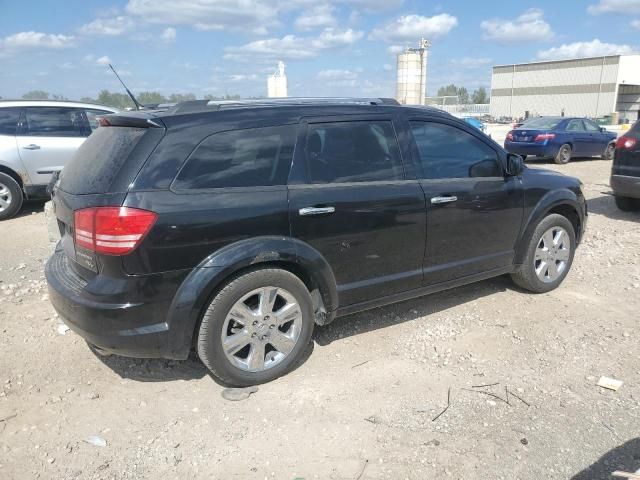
{"x":112,"y":230}
{"x":626,"y":143}
{"x":544,"y":136}
{"x":510,"y":136}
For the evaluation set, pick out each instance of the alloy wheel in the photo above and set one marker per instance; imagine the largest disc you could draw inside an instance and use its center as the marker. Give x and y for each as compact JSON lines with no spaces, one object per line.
{"x":552,"y":254}
{"x":261,"y":329}
{"x":5,"y":197}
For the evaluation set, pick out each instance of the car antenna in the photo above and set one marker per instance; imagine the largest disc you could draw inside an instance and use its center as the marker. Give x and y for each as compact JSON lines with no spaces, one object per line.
{"x":136,"y":103}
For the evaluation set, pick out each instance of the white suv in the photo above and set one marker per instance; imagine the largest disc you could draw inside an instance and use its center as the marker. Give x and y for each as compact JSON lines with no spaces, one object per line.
{"x":37,"y":138}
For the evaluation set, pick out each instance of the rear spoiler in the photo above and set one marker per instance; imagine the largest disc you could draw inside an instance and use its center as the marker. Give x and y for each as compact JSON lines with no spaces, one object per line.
{"x":132,"y":120}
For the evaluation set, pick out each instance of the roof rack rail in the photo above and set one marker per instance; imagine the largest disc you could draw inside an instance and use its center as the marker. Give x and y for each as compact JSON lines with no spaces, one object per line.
{"x":193,"y":106}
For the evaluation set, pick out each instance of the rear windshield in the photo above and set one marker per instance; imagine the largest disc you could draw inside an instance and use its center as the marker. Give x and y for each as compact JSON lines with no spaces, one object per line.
{"x":542,"y":123}
{"x":97,"y":162}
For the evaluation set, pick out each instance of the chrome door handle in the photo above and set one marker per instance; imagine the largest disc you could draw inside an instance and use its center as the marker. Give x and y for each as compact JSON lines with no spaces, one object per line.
{"x":33,"y":146}
{"x":307,"y":211}
{"x":436,"y":200}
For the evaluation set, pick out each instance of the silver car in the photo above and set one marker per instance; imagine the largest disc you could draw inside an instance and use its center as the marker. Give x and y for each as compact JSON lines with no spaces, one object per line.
{"x":37,"y":138}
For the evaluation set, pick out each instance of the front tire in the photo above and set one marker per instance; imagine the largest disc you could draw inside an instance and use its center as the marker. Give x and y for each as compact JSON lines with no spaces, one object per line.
{"x":609,"y":152}
{"x":627,"y":204}
{"x":564,"y":154}
{"x":11,"y":197}
{"x":256,"y":328}
{"x":549,"y":255}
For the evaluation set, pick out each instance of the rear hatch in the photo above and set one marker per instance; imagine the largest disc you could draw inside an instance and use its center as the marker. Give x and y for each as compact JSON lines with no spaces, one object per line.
{"x":626,"y":160}
{"x":99,"y":175}
{"x":525,"y":135}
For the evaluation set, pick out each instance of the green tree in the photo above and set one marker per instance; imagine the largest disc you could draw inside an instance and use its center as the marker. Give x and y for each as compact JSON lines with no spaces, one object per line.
{"x":116,"y":100}
{"x":146,"y":98}
{"x":454,"y":91}
{"x":179,"y":97}
{"x":36,"y":95}
{"x":480,"y":96}
{"x":463,"y":96}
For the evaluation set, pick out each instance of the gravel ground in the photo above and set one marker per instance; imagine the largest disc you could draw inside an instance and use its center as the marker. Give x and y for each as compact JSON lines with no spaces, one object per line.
{"x":362,"y":404}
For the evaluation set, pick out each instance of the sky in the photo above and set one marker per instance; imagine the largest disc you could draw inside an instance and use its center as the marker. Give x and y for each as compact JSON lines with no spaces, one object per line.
{"x":330,"y":47}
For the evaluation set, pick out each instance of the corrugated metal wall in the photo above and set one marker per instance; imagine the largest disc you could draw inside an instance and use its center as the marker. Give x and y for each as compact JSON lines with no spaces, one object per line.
{"x":581,"y":87}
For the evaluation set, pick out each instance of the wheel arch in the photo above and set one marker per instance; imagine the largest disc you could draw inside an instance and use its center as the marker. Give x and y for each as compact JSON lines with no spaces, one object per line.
{"x":13,"y":174}
{"x":562,"y":202}
{"x":204,"y":281}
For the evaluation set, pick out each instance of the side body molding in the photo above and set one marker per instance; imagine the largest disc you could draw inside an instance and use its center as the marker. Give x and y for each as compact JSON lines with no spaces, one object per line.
{"x":194,"y":293}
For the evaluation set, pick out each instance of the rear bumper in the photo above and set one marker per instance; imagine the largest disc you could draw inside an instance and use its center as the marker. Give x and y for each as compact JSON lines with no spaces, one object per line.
{"x":126,"y":316}
{"x":625,"y":186}
{"x":534,"y":149}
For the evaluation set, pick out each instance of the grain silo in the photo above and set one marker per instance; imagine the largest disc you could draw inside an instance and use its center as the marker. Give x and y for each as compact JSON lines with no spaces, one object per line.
{"x":277,"y":83}
{"x":411,"y":86}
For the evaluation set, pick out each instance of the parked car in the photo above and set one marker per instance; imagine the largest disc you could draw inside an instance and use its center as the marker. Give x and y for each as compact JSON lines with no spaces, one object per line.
{"x":560,"y":138}
{"x":625,"y":171}
{"x":37,"y":138}
{"x":474,"y":122}
{"x":235,"y":227}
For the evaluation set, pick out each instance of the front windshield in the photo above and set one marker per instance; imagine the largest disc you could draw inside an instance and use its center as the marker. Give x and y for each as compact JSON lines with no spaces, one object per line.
{"x":541,"y":123}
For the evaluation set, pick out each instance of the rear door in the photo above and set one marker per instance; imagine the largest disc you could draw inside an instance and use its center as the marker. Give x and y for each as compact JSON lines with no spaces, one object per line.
{"x":579,"y":137}
{"x":474,"y":211}
{"x":349,"y":198}
{"x":48,"y":137}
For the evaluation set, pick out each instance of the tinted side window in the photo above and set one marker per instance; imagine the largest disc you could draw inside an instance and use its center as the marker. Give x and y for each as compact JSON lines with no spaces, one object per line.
{"x":9,"y":120}
{"x":92,"y":117}
{"x":450,"y":152}
{"x":54,"y":122}
{"x":352,"y":152}
{"x":575,"y":126}
{"x":241,"y":158}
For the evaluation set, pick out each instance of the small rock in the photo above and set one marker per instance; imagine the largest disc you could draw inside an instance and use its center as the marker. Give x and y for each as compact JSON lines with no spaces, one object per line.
{"x":492,"y":403}
{"x":96,"y":441}
{"x":62,"y":329}
{"x":524,"y":441}
{"x":51,"y":460}
{"x":93,"y":396}
{"x":237,"y":394}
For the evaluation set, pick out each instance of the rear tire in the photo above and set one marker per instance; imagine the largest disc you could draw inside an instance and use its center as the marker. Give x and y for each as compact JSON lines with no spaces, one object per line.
{"x":11,"y":197}
{"x":542,"y":254}
{"x":256,"y":328}
{"x":627,"y":204}
{"x":609,"y":152}
{"x":564,"y":154}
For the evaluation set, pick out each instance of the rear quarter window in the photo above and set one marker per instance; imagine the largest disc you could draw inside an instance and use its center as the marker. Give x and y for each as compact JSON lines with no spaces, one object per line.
{"x":253,"y":157}
{"x":97,"y":162}
{"x":9,"y":120}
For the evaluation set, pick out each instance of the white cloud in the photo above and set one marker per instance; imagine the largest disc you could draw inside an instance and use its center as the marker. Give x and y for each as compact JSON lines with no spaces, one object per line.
{"x":337,"y":74}
{"x":36,"y":40}
{"x":412,"y":27}
{"x":168,"y":35}
{"x":593,"y":48}
{"x":293,"y":47}
{"x":530,"y":26}
{"x":471,"y":62}
{"x":614,"y":6}
{"x":241,"y":77}
{"x":108,"y":26}
{"x":395,"y":49}
{"x":104,"y":60}
{"x":317,"y":17}
{"x":250,"y":15}
{"x":387,"y":67}
{"x":636,"y":24}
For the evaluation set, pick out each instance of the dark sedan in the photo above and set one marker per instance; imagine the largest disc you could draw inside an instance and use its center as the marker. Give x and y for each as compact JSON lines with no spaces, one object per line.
{"x":560,"y":138}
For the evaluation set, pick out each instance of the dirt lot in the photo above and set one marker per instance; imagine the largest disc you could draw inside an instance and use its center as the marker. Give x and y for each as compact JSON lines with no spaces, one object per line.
{"x":361,"y":405}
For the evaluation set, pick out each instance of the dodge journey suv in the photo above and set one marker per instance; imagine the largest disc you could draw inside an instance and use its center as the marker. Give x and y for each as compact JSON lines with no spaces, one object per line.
{"x":234,"y":228}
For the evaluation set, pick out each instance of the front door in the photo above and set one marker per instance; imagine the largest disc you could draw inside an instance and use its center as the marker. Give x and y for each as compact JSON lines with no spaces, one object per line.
{"x":474,"y":211}
{"x":356,"y":208}
{"x":579,"y":137}
{"x":598,"y":141}
{"x":47,"y":138}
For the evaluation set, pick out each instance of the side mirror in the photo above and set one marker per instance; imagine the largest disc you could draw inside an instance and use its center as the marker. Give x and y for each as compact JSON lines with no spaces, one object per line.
{"x":515,"y":164}
{"x":602,"y":129}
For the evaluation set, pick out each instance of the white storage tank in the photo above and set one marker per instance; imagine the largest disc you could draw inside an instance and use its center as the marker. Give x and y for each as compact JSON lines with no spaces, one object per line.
{"x":277,"y":83}
{"x":411,"y":84}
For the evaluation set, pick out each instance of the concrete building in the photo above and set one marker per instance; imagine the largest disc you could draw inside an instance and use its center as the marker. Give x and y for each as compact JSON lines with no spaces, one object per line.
{"x":590,"y":87}
{"x":411,"y":84}
{"x":277,"y":83}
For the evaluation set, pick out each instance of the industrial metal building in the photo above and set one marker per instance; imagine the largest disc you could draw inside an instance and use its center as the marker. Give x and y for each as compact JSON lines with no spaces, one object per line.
{"x":590,"y":87}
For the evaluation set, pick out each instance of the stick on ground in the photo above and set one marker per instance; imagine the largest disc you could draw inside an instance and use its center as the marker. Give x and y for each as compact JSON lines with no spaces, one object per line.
{"x":446,"y":408}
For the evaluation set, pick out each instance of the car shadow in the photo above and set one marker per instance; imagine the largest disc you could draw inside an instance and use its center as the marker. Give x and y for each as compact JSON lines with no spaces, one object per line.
{"x":29,"y":207}
{"x":605,"y":205}
{"x":383,"y":317}
{"x":625,"y":457}
{"x":549,"y":161}
{"x":162,"y":370}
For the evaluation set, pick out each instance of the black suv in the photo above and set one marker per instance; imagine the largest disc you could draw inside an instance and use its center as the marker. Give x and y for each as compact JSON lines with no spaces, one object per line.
{"x":233,"y":228}
{"x":625,"y":171}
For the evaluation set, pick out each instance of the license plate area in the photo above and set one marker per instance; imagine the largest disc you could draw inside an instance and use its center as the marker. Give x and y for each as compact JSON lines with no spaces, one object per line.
{"x":86,"y":258}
